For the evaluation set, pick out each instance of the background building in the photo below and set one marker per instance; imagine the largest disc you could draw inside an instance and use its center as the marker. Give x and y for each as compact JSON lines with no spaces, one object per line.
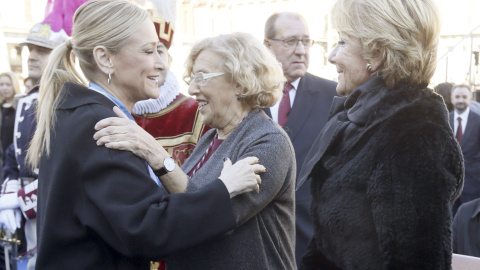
{"x":16,"y":19}
{"x":197,"y":19}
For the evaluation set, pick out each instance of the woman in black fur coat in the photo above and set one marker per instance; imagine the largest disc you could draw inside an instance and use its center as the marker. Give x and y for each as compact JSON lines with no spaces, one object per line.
{"x":386,"y":168}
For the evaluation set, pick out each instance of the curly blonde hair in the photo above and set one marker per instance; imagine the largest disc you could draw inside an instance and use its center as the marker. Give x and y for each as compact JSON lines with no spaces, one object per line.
{"x":249,"y":63}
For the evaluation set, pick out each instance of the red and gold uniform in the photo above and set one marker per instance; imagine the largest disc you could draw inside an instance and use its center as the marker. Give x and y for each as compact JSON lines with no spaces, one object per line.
{"x":177,"y":127}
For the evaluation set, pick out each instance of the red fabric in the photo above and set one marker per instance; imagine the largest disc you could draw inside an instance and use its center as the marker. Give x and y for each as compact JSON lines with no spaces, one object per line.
{"x":211,"y":149}
{"x":177,"y":128}
{"x":284,"y":108}
{"x":164,"y":31}
{"x":459,"y":134}
{"x":27,"y":198}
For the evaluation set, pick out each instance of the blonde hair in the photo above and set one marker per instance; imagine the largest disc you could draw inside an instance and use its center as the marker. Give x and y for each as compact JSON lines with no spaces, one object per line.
{"x":404,"y":34}
{"x":15,"y":84}
{"x":249,"y":63}
{"x":108,"y":23}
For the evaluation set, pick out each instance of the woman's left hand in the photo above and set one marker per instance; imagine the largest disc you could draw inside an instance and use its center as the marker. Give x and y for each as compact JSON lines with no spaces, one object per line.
{"x":121,"y":133}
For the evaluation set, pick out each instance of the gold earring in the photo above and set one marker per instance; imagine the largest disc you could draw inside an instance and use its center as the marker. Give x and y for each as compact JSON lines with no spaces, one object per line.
{"x":369,"y":67}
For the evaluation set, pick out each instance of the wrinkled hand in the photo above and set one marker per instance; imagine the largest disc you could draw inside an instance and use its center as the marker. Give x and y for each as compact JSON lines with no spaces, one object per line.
{"x":243,"y":176}
{"x":10,"y":219}
{"x":121,"y":133}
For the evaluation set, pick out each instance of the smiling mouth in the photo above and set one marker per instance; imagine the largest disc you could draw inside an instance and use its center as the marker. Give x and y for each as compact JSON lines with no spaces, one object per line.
{"x":202,"y":104}
{"x":155,"y":79}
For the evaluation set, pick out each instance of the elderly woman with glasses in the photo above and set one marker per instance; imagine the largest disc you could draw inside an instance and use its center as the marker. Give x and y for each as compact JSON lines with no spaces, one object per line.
{"x":231,"y":76}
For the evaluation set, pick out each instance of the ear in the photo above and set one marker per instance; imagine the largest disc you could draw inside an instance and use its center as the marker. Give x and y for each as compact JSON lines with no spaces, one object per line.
{"x":103,"y":59}
{"x":377,"y":61}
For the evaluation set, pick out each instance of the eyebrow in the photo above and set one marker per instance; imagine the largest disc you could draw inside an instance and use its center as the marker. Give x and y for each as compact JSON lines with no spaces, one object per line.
{"x":150,"y":43}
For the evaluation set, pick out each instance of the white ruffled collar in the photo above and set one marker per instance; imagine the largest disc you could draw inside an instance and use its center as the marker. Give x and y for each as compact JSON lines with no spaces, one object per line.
{"x":168,"y":92}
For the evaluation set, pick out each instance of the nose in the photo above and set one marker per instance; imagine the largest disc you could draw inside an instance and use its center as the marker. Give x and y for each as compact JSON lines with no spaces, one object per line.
{"x":160,"y":62}
{"x":300,"y":48}
{"x":193,"y":89}
{"x":331,"y":56}
{"x":33,"y":55}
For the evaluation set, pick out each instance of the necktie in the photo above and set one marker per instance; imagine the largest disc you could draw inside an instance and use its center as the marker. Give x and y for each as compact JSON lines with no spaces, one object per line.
{"x":284,"y":108}
{"x":459,"y":134}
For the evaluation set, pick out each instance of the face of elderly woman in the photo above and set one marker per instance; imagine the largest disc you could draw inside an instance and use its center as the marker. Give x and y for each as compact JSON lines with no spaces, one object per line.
{"x":138,"y":66}
{"x":216,"y":97}
{"x":351,"y":67}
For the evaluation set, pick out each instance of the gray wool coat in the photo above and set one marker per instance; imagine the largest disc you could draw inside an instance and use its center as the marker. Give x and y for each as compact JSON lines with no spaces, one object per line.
{"x":265,"y":233}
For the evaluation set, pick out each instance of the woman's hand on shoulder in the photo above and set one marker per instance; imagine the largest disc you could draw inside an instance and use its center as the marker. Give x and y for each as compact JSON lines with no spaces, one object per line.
{"x":243,"y":176}
{"x":121,"y":133}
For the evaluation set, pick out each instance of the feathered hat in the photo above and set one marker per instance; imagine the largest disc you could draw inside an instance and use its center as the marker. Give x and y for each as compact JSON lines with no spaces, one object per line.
{"x":57,"y":25}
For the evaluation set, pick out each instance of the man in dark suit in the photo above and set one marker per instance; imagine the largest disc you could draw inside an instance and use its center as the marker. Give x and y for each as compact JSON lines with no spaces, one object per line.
{"x":465,"y":123}
{"x":307,"y":100}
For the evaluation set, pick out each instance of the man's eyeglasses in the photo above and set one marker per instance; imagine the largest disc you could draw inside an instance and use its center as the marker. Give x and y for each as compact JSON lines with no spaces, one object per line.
{"x":201,"y":78}
{"x":292,"y":42}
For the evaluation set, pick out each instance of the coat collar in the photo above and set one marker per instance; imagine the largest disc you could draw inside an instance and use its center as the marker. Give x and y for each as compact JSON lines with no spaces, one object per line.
{"x":360,"y":101}
{"x":369,"y":105}
{"x":73,"y":95}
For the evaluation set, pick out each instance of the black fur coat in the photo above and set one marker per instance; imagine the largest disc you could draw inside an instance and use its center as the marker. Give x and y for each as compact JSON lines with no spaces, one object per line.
{"x":386,"y":170}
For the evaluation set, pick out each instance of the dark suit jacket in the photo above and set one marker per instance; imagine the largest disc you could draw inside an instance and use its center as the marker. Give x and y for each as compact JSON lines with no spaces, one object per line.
{"x":99,"y":209}
{"x":466,"y":229}
{"x":471,"y":154}
{"x":308,"y":116}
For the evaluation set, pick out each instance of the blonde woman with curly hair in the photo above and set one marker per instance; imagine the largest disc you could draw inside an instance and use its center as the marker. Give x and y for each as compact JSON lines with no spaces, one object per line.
{"x":232,"y":77}
{"x":386,"y":168}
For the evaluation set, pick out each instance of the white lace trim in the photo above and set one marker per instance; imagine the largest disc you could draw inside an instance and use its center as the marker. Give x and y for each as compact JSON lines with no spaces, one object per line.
{"x":168,"y":92}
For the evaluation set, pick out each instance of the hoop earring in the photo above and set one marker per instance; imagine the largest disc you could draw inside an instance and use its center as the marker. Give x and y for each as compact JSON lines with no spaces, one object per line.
{"x":109,"y":80}
{"x":369,"y":67}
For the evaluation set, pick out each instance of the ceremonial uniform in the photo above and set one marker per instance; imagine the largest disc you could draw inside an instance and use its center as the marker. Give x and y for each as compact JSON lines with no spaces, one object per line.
{"x":173,"y":119}
{"x":16,"y":168}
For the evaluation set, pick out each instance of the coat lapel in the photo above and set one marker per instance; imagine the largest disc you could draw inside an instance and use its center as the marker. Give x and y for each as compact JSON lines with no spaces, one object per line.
{"x":471,"y":123}
{"x":451,"y":120}
{"x":303,"y":103}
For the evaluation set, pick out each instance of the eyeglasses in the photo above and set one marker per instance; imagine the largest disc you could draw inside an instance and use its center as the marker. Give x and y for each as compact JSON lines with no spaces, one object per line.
{"x":201,"y":78}
{"x":292,"y":42}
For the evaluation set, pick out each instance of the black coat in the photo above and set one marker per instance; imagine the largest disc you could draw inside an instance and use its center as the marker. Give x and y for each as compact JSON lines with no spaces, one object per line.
{"x":99,"y":209}
{"x":385,"y":171}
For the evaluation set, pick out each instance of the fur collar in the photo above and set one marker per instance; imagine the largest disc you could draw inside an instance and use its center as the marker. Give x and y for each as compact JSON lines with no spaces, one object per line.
{"x":373,"y":101}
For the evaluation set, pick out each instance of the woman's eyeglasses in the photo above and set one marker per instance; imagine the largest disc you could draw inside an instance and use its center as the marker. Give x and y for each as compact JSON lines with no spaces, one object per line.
{"x":201,"y":78}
